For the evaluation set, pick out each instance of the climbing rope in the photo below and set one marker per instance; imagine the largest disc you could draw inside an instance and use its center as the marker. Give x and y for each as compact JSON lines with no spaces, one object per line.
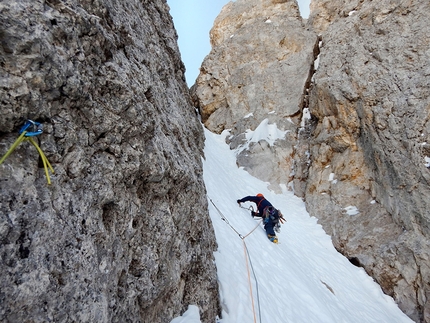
{"x":245,"y":249}
{"x":248,"y":259}
{"x":29,"y":130}
{"x":247,"y":256}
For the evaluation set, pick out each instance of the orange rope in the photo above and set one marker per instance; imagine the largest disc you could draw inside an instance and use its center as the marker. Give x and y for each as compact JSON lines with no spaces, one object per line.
{"x":249,"y":281}
{"x":258,"y":224}
{"x":246,"y":256}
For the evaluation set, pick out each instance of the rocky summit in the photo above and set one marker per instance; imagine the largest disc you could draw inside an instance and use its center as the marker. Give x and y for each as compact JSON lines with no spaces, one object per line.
{"x":348,"y":89}
{"x":122,"y":233}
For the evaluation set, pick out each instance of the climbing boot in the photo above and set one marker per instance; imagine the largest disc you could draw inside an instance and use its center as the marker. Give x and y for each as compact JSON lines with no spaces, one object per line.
{"x":273,"y":238}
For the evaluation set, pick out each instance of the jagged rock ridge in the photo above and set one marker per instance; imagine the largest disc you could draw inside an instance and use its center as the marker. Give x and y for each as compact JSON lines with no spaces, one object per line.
{"x":122,"y":234}
{"x":361,"y":159}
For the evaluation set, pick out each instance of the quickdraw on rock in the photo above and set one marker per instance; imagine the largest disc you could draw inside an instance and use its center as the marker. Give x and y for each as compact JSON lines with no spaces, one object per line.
{"x":29,"y":130}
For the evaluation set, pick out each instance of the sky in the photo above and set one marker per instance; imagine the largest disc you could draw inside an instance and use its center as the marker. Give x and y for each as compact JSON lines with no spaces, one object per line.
{"x":193,"y":19}
{"x":302,"y":279}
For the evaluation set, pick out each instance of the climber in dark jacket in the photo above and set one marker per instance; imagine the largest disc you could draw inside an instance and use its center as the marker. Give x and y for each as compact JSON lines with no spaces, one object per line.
{"x":265,"y":210}
{"x":259,"y":200}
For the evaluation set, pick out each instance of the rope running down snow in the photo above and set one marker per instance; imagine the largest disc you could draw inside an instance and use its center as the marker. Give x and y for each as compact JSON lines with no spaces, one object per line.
{"x":247,"y":257}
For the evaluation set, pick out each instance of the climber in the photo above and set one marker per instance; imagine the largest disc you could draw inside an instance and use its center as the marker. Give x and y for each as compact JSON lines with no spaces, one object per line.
{"x":270,"y":215}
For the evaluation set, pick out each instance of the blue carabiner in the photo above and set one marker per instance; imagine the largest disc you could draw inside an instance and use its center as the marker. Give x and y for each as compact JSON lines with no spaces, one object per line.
{"x":36,"y":128}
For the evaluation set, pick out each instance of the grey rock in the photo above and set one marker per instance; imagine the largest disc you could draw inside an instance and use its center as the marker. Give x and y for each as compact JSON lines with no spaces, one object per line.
{"x":258,"y":68}
{"x":123,"y":233}
{"x":371,"y":97}
{"x":354,"y":87}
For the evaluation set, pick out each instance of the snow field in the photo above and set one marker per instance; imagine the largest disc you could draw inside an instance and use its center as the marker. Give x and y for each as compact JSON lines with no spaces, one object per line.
{"x":303,"y":279}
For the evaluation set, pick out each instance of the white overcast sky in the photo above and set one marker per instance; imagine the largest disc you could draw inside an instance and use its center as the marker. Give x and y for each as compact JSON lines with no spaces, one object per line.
{"x":193,"y":20}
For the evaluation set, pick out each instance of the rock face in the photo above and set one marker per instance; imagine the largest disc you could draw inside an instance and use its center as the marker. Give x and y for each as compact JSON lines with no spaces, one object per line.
{"x":361,"y":158}
{"x":371,"y":99}
{"x":122,"y":234}
{"x":256,"y":74}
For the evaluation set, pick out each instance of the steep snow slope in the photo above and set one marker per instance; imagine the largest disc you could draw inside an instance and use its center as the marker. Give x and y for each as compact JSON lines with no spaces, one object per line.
{"x":302,"y":279}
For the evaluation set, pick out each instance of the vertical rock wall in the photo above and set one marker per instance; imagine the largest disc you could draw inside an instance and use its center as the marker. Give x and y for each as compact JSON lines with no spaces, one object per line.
{"x":369,"y":177}
{"x":122,"y":234}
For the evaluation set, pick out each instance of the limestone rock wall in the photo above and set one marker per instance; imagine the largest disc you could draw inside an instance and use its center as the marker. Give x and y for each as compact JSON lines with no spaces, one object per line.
{"x":370,"y":147}
{"x":350,"y":86}
{"x":122,"y":234}
{"x":325,"y":12}
{"x":257,"y":71}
